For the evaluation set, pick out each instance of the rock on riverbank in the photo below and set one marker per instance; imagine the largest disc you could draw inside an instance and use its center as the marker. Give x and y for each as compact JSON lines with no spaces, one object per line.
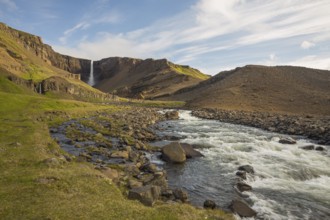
{"x":117,"y":144}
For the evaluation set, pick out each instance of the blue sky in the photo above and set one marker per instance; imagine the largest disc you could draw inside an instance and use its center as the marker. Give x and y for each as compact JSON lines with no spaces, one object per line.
{"x":211,"y":35}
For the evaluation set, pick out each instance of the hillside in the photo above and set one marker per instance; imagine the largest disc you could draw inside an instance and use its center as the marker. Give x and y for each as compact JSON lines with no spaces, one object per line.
{"x":136,"y":78}
{"x":27,"y":61}
{"x":284,"y":89}
{"x":36,"y":172}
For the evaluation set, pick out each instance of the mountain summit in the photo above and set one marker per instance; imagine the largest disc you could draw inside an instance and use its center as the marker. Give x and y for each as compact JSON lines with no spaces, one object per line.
{"x":136,"y":78}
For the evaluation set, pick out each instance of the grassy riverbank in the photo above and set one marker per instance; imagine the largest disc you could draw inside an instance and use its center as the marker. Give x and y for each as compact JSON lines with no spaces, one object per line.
{"x":38,"y":183}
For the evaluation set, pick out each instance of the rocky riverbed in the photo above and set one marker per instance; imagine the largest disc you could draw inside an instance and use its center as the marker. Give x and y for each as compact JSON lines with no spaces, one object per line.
{"x":117,"y":145}
{"x":252,"y":171}
{"x":311,"y":126}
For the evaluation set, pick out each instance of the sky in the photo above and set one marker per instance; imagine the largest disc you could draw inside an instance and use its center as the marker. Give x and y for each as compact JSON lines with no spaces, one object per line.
{"x":210,"y":35}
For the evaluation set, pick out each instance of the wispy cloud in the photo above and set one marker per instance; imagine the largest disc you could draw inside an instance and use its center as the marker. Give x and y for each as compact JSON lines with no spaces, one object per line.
{"x":9,"y":4}
{"x":69,"y":32}
{"x":307,"y":44}
{"x":232,"y":27}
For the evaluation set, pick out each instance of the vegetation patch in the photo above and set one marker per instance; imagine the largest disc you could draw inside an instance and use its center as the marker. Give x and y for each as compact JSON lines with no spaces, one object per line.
{"x":37,"y":182}
{"x":186,"y":70}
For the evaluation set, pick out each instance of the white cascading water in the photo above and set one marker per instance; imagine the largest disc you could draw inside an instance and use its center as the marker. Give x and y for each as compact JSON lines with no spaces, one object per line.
{"x":290,"y":183}
{"x":91,"y":80}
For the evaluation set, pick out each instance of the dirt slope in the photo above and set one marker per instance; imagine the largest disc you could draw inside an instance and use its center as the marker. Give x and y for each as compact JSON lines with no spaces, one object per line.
{"x":285,"y":89}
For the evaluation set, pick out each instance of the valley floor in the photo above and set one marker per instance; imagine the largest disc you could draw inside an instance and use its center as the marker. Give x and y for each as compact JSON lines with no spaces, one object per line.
{"x":37,"y":182}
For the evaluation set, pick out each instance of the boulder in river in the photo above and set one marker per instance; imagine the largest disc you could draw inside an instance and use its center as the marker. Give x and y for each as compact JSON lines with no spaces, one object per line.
{"x":172,"y":115}
{"x":246,"y":168}
{"x":242,"y":208}
{"x":307,"y":147}
{"x":241,"y":174}
{"x":209,"y":204}
{"x":243,"y":187}
{"x":287,"y":140}
{"x":319,"y":148}
{"x":146,"y":194}
{"x":190,"y":151}
{"x":173,"y":152}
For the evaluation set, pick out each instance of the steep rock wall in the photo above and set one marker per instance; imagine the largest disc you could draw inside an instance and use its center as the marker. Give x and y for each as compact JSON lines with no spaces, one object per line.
{"x":35,"y":45}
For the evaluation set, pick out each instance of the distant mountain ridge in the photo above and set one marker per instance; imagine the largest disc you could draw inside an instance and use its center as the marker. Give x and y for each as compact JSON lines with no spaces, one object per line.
{"x":285,"y":89}
{"x":137,"y":78}
{"x":127,"y":77}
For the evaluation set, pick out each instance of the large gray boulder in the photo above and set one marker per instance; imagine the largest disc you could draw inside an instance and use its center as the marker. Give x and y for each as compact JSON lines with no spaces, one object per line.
{"x":242,"y":208}
{"x":146,"y":194}
{"x":190,"y":151}
{"x":173,"y":152}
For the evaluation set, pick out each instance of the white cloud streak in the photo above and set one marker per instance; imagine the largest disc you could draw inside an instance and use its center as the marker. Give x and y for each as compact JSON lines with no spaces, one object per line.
{"x":212,"y":26}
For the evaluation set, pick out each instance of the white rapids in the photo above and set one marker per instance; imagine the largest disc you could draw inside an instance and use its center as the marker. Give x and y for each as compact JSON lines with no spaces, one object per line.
{"x":289,"y":183}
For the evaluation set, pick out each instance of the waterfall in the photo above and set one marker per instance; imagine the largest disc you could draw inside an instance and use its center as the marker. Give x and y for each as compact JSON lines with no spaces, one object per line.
{"x":91,"y":81}
{"x":40,"y":88}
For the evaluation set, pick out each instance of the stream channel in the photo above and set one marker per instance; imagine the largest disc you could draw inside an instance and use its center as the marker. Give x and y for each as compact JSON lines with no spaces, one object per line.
{"x":289,"y":182}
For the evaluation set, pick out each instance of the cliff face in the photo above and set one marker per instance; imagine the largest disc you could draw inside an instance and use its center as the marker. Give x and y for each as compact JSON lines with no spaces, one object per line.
{"x":35,"y":45}
{"x":136,"y":78}
{"x":26,"y":56}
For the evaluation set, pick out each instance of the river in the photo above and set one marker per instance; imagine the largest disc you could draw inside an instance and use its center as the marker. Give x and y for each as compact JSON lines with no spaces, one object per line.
{"x":289,"y":182}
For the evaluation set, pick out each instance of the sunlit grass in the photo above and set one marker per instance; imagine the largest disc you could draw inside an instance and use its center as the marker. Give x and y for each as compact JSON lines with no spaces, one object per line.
{"x":33,"y":189}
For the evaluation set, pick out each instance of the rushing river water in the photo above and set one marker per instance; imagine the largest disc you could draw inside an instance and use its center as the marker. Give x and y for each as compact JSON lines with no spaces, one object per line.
{"x":289,"y":182}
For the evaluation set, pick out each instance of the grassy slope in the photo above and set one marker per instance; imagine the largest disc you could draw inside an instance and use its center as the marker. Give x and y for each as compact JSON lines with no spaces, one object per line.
{"x":23,"y":63}
{"x":189,"y":71}
{"x":77,"y":190}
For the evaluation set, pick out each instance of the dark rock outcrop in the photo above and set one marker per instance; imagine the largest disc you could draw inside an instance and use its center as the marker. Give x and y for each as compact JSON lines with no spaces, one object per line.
{"x":60,"y":85}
